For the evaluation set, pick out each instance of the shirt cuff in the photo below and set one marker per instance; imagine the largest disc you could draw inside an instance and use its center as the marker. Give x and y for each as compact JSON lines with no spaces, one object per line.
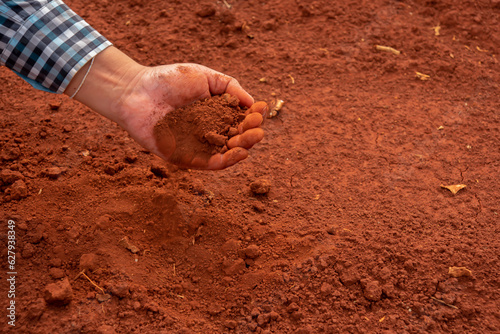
{"x":51,"y":46}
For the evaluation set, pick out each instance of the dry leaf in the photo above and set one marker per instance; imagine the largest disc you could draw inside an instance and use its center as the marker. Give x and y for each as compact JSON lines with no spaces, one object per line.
{"x":436,"y":30}
{"x":275,"y":107}
{"x":454,"y":188}
{"x":422,"y":76}
{"x":459,"y":272}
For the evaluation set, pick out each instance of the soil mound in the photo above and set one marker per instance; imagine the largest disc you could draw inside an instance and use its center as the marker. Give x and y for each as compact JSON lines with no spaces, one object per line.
{"x":206,"y":124}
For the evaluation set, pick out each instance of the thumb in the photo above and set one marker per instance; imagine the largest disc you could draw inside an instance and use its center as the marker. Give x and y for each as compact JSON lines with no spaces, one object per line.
{"x":220,"y":83}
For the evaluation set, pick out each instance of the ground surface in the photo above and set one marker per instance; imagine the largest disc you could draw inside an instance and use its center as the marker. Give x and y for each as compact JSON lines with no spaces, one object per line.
{"x":355,"y":235}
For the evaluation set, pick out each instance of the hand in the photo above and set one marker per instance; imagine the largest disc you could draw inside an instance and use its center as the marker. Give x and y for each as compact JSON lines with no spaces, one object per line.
{"x":162,"y":89}
{"x":137,"y":97}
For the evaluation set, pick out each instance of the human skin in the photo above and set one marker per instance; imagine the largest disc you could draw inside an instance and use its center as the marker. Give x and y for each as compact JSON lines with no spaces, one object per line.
{"x":137,"y":97}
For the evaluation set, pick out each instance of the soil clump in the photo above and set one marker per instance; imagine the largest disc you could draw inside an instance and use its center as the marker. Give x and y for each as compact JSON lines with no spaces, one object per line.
{"x":206,"y":125}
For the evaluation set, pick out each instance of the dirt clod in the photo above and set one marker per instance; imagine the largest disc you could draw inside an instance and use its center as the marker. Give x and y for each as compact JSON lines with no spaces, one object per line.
{"x":53,"y":172}
{"x":59,"y":293}
{"x":203,"y":126}
{"x":206,"y":10}
{"x":8,"y":176}
{"x":89,"y":262}
{"x":373,"y":291}
{"x":251,"y":252}
{"x":125,"y":242}
{"x":103,"y":297}
{"x":56,"y":273}
{"x":260,"y":187}
{"x":232,"y":268}
{"x":18,"y":190}
{"x":120,"y":290}
{"x":231,"y":324}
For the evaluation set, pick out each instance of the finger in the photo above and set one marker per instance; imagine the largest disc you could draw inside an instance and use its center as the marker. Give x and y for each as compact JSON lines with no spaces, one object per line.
{"x":221,"y":161}
{"x":247,"y":139}
{"x":260,"y":107}
{"x":234,"y":88}
{"x":251,"y":121}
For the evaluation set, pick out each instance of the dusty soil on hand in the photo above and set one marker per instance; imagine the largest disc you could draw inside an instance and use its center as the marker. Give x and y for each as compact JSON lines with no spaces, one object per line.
{"x":203,"y":126}
{"x":354,"y":233}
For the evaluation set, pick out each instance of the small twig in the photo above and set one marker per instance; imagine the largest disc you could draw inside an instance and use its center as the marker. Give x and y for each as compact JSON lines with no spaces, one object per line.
{"x":82,"y":273}
{"x":387,"y":49}
{"x":227,"y":5}
{"x":79,"y":274}
{"x":422,"y":76}
{"x":444,"y":303}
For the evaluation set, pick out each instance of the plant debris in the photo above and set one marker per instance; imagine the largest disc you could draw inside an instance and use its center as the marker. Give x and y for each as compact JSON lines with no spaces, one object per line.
{"x":454,"y":188}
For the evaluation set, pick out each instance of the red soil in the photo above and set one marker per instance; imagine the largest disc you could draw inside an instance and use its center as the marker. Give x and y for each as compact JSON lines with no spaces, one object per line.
{"x":353,"y":232}
{"x":203,"y":126}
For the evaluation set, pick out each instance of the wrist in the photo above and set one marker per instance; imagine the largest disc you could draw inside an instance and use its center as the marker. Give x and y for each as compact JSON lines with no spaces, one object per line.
{"x":111,"y":78}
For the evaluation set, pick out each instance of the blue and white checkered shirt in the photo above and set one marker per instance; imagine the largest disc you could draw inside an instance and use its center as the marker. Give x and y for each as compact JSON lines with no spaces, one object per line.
{"x":45,"y":42}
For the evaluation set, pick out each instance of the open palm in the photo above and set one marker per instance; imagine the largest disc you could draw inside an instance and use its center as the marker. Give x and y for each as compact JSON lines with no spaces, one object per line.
{"x":160,"y":90}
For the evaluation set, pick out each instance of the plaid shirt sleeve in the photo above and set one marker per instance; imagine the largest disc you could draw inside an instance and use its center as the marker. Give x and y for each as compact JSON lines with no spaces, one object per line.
{"x":45,"y":42}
